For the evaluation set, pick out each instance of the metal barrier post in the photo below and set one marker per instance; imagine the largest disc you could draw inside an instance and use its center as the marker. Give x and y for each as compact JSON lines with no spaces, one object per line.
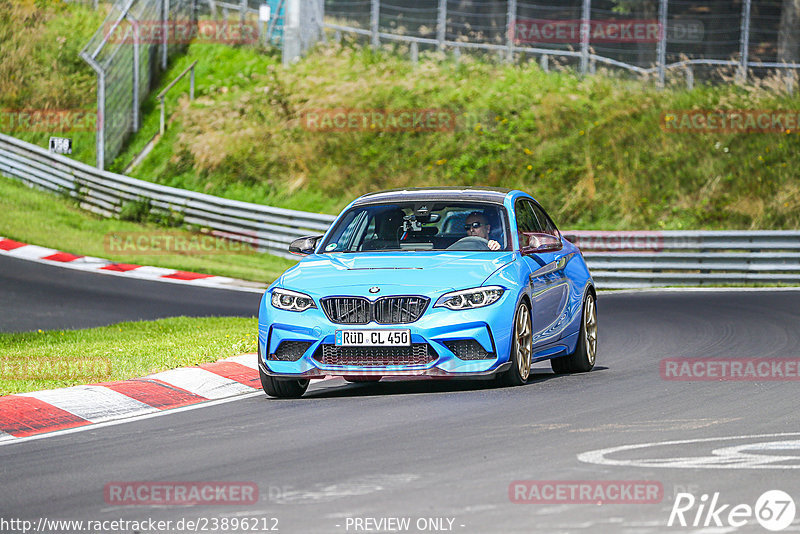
{"x":374,"y":21}
{"x":744,"y":41}
{"x":165,"y":21}
{"x":662,"y":42}
{"x":586,"y":29}
{"x":441,"y":25}
{"x":136,"y":39}
{"x":511,"y":26}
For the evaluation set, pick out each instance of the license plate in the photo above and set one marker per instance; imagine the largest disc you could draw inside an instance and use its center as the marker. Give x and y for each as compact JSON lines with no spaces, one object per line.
{"x":373,"y":338}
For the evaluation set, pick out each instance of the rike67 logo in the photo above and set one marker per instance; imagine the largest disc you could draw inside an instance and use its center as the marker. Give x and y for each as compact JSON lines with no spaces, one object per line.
{"x":774,"y":510}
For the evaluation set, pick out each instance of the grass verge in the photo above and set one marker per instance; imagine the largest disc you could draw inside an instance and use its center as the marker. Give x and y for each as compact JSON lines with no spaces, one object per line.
{"x":34,"y":361}
{"x":44,"y":219}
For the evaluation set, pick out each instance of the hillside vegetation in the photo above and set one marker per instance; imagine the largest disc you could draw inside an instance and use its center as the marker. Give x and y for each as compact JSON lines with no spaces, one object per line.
{"x":41,"y":71}
{"x":591,"y":149}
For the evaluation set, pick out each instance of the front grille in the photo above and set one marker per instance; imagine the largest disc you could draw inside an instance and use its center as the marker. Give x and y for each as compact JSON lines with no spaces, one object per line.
{"x":398,"y":310}
{"x":416,"y":354}
{"x":290,"y":351}
{"x":347,"y":310}
{"x":385,"y":310}
{"x":468,"y":349}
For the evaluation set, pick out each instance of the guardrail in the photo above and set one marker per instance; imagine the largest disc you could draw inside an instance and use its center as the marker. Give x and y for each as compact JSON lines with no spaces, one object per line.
{"x":617,"y":259}
{"x":106,"y":193}
{"x":696,"y":258}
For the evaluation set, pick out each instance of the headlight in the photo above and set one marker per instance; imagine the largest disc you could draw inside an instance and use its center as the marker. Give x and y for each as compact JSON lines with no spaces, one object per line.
{"x":470,"y":298}
{"x":284,"y":299}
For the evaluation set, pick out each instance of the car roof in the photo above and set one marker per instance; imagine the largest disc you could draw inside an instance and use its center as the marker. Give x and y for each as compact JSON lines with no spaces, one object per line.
{"x":430,"y":194}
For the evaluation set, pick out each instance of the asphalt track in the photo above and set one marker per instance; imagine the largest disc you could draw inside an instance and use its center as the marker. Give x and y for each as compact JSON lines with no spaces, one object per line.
{"x":36,"y":295}
{"x":430,"y":449}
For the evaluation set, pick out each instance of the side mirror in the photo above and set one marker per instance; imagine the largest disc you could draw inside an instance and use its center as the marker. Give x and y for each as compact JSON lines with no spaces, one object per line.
{"x":538,"y":243}
{"x":304,"y":245}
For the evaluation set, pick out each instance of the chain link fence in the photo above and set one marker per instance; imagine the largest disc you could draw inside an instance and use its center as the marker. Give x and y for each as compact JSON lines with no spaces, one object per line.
{"x":138,"y":37}
{"x":128,"y":50}
{"x":643,"y":36}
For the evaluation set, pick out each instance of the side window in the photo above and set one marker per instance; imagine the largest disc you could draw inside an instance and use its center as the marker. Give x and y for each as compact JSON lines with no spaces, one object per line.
{"x":526,"y":221}
{"x":545,"y":221}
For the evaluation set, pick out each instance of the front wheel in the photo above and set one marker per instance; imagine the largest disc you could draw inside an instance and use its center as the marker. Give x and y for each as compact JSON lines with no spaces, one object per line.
{"x":280,"y":388}
{"x":582,"y":360}
{"x":521,"y":348}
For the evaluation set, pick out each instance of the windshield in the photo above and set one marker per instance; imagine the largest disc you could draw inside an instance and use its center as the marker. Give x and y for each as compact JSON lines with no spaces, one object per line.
{"x":420,"y":226}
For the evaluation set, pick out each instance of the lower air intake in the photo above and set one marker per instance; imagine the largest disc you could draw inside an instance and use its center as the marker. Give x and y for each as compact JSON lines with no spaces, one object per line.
{"x":468,"y":349}
{"x":416,"y":354}
{"x":290,"y":351}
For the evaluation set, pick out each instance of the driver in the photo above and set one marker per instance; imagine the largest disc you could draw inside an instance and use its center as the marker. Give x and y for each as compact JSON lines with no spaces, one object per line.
{"x":478,"y":225}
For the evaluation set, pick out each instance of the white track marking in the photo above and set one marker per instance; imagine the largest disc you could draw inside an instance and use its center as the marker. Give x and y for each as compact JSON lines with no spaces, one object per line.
{"x":202,"y":382}
{"x":719,"y":458}
{"x":93,"y":403}
{"x":248,"y":360}
{"x":32,"y":252}
{"x":159,"y":413}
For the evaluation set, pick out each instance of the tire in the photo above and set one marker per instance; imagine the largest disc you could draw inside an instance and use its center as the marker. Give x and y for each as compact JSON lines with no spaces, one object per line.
{"x":585,"y":355}
{"x":280,"y":388}
{"x":361,"y":379}
{"x":521,"y":348}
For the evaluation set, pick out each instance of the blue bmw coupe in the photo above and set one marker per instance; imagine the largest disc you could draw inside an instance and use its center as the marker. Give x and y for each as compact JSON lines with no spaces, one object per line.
{"x":463,"y":282}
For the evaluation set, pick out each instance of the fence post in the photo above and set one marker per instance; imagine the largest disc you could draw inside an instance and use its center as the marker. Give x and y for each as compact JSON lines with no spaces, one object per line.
{"x":689,"y":77}
{"x":374,"y":21}
{"x":101,"y":120}
{"x":292,"y":47}
{"x":586,"y":29}
{"x":544,"y":61}
{"x":744,"y":41}
{"x":441,"y":25}
{"x":511,"y":26}
{"x":414,"y":52}
{"x":136,"y":40}
{"x":165,"y":21}
{"x":662,"y":42}
{"x":242,"y":14}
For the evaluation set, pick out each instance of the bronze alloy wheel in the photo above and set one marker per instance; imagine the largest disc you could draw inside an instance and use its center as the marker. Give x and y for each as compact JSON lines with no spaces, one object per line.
{"x":582,"y":360}
{"x":521,"y":348}
{"x":590,"y":330}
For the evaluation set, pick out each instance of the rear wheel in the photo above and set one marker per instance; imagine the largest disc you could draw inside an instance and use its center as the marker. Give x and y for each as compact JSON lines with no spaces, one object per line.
{"x":521,"y":347}
{"x":280,"y":388}
{"x":582,"y":360}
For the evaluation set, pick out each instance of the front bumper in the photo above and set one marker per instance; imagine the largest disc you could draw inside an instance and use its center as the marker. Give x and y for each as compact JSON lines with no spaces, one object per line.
{"x":438,"y":328}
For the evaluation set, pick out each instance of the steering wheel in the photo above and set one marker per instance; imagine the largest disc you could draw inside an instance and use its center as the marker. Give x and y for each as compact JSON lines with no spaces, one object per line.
{"x":470,"y":242}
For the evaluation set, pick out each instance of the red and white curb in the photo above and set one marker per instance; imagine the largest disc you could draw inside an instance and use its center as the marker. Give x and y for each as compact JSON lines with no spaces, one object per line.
{"x":104,"y":266}
{"x":28,"y":414}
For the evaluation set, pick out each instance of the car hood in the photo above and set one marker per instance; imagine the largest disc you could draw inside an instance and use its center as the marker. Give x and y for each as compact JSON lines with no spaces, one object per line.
{"x":393,"y":272}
